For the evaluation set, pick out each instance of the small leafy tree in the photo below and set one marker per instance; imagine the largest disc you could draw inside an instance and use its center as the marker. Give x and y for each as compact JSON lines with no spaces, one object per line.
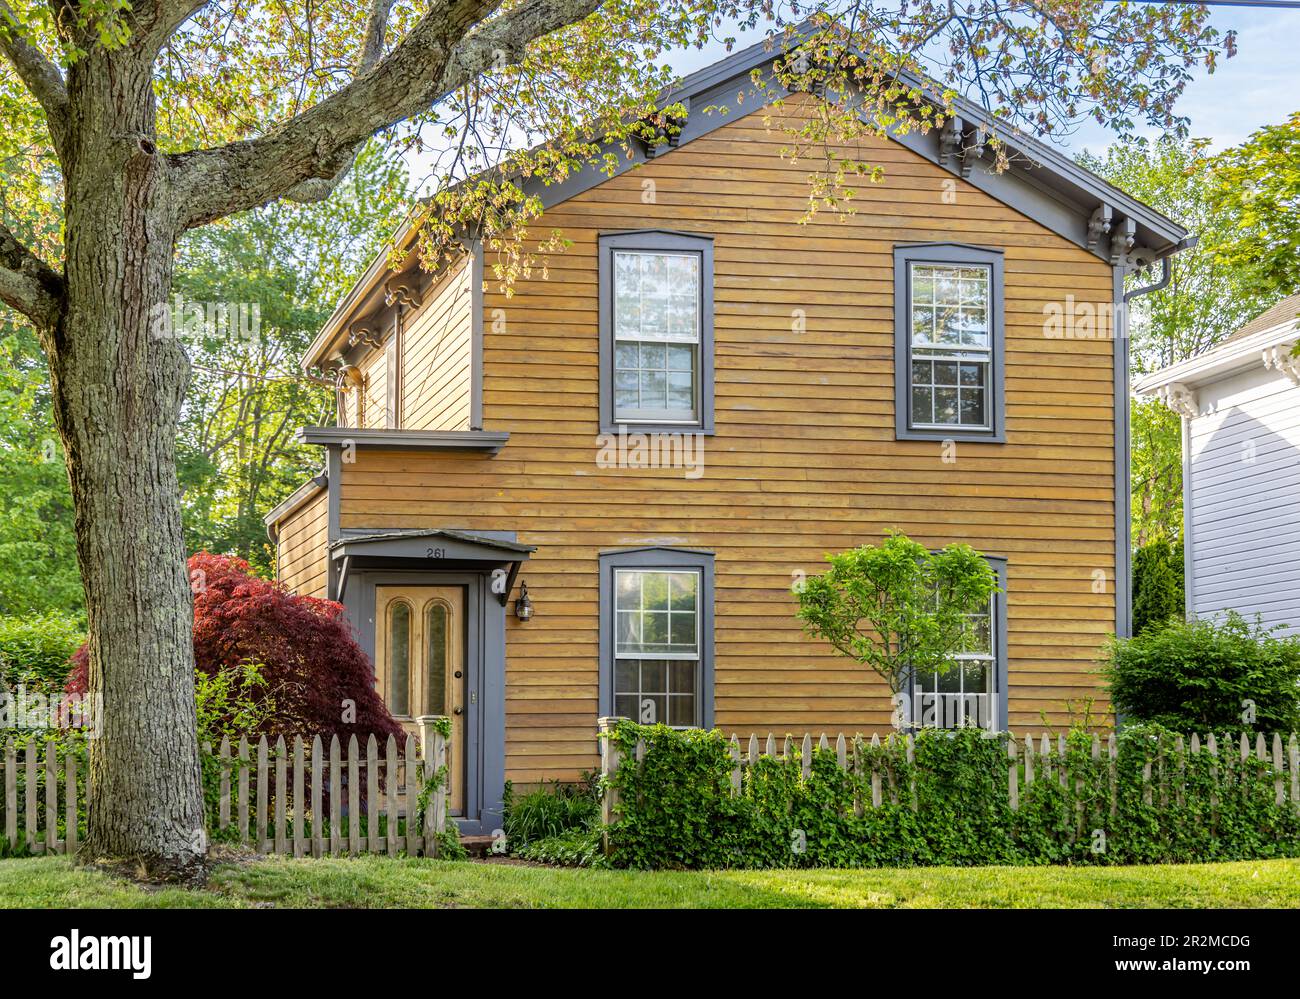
{"x":897,"y":606}
{"x":1207,"y":675}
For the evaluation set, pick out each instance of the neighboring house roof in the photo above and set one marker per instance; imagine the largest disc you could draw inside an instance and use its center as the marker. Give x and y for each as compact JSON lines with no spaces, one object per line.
{"x":1041,"y":182}
{"x":1266,"y":339}
{"x":1286,"y":310}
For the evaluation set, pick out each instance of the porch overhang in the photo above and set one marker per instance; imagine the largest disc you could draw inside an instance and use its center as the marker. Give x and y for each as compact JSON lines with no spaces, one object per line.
{"x":429,"y":550}
{"x":482,"y":441}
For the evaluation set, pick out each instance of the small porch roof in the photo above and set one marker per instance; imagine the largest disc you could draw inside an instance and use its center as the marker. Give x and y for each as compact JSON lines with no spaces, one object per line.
{"x":432,"y":549}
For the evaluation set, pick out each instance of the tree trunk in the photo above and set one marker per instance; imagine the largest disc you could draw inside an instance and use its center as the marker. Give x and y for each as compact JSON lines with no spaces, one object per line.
{"x":118,"y":377}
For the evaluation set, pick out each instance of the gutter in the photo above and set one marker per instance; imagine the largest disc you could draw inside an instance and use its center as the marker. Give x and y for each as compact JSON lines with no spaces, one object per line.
{"x":1166,"y":272}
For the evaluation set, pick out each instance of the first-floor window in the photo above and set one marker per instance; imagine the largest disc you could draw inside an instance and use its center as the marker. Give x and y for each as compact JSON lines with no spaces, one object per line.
{"x":656,"y":620}
{"x":656,"y":645}
{"x":971,"y":692}
{"x":962,"y":696}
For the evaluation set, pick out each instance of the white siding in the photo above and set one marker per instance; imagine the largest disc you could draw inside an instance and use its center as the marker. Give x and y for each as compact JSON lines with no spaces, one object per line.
{"x":1244,"y":518}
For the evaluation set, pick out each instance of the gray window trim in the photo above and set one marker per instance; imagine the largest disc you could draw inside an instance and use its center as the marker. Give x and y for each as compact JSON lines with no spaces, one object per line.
{"x":948,"y":253}
{"x":998,"y":563}
{"x":655,"y":239}
{"x":667,"y":559}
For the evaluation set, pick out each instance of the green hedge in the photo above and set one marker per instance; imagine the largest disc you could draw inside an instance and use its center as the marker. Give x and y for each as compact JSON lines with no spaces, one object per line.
{"x":677,"y":808}
{"x":35,"y":651}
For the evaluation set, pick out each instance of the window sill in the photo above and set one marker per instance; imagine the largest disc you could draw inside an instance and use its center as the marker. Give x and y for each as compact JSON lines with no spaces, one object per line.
{"x":657,"y":428}
{"x":964,"y":436}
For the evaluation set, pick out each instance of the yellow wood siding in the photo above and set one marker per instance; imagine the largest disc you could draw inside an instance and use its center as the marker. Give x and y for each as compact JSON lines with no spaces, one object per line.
{"x":436,"y":345}
{"x":804,"y":460}
{"x":301,"y":549}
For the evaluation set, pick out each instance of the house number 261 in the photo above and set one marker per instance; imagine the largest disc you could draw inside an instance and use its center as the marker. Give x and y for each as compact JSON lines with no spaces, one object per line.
{"x":436,"y":552}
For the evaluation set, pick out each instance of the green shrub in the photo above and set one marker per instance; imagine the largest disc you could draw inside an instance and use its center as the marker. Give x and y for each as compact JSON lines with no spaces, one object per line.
{"x":1157,"y":585}
{"x":948,"y":806}
{"x":36,"y":651}
{"x":548,"y":812}
{"x":1207,"y":675}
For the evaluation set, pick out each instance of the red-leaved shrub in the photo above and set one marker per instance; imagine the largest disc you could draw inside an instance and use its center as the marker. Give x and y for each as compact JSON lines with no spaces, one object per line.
{"x":313,"y":667}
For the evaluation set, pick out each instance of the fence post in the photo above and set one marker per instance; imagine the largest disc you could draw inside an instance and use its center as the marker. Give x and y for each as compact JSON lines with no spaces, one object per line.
{"x":299,"y":799}
{"x":317,"y":796}
{"x":444,"y":785}
{"x":412,"y":770}
{"x":1278,"y":796}
{"x":390,"y":795}
{"x":51,"y":798}
{"x":610,"y":759}
{"x":243,"y":789}
{"x":372,"y":793}
{"x":11,"y":792}
{"x":1293,"y":757}
{"x":71,"y":815}
{"x":223,"y":806}
{"x":734,"y":750}
{"x":1013,"y":774}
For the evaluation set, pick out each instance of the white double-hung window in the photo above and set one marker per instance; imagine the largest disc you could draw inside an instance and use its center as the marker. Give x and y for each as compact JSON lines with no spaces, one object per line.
{"x":657,"y":645}
{"x":948,"y":320}
{"x":951,"y":348}
{"x":656,"y":332}
{"x":656,"y":336}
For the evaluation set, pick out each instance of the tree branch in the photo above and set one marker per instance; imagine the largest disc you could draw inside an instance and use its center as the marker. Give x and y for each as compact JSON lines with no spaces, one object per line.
{"x":372,"y":47}
{"x":38,"y":74}
{"x":27,"y":283}
{"x":449,"y":46}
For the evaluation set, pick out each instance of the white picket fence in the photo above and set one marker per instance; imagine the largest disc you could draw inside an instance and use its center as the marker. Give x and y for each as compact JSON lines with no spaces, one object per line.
{"x":312,"y":799}
{"x":1029,"y":759}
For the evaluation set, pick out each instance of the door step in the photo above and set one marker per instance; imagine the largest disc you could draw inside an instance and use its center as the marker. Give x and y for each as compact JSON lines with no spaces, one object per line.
{"x":477,"y":846}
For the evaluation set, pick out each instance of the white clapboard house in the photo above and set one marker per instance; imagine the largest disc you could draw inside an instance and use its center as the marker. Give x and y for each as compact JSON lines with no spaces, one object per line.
{"x":1240,"y":404}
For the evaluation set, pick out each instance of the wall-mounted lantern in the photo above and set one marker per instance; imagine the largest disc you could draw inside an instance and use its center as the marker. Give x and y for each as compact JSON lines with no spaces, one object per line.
{"x":523,"y":606}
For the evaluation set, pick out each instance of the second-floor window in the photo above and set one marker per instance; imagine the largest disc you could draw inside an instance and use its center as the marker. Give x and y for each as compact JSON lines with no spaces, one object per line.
{"x":948,"y":328}
{"x":656,"y":336}
{"x":656,"y":331}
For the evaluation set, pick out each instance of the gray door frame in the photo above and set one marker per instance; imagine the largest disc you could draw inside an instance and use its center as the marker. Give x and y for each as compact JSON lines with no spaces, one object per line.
{"x":484,"y":754}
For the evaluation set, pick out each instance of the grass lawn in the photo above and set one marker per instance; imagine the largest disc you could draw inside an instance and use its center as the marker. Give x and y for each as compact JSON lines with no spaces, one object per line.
{"x":375,"y":882}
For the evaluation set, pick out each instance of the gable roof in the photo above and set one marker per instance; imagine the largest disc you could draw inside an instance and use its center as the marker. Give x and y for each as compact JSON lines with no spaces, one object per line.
{"x":1041,"y":182}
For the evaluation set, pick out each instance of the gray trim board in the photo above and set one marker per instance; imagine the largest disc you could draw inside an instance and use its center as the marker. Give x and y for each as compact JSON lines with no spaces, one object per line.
{"x":906,"y":254}
{"x":334,"y":473}
{"x":484,"y":441}
{"x":1189,"y":577}
{"x":655,"y":239}
{"x":476,"y":374}
{"x":1123,"y":500}
{"x":657,"y":558}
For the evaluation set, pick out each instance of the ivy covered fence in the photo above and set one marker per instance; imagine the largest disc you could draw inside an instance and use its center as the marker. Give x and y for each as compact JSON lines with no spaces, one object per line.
{"x":698,"y":799}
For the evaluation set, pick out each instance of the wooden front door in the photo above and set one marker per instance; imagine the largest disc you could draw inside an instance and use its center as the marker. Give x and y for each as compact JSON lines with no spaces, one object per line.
{"x":420,"y":664}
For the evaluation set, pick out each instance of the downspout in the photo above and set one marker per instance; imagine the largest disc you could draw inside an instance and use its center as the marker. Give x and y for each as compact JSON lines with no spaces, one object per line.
{"x":1166,"y":272}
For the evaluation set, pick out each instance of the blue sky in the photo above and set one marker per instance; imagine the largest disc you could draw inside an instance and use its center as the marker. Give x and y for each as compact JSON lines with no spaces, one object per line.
{"x":1258,"y":86}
